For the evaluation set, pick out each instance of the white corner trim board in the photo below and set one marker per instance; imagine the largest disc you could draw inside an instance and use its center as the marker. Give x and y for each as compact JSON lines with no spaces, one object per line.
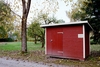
{"x":83,"y":41}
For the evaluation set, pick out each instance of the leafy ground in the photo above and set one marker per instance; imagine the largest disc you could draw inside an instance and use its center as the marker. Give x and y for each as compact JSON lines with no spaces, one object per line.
{"x":36,"y":54}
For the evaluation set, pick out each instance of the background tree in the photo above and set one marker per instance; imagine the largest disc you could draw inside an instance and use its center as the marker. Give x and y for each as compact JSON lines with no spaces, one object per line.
{"x":81,"y":10}
{"x":6,"y":19}
{"x":88,"y":10}
{"x":36,"y":32}
{"x":44,"y":18}
{"x":95,"y":21}
{"x":32,"y":30}
{"x":3,"y":33}
{"x":17,"y":28}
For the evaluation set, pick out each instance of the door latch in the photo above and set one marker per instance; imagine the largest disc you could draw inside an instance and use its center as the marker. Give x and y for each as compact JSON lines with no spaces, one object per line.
{"x":51,"y":40}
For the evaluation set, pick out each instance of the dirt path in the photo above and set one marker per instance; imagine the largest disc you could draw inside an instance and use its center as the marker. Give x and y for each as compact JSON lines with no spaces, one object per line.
{"x":4,"y":62}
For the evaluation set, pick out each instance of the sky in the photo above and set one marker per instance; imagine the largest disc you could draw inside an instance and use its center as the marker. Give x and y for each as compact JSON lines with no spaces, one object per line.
{"x":60,"y":14}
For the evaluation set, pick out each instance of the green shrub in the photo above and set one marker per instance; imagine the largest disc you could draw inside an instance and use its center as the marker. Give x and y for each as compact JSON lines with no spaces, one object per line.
{"x":6,"y":40}
{"x":92,"y":42}
{"x":10,"y":40}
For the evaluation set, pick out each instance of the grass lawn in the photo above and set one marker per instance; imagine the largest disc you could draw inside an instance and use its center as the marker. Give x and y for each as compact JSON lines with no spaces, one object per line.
{"x":16,"y":46}
{"x":95,"y":47}
{"x":36,"y":54}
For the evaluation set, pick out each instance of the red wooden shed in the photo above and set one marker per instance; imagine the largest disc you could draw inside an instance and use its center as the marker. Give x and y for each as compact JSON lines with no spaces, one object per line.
{"x":68,"y":40}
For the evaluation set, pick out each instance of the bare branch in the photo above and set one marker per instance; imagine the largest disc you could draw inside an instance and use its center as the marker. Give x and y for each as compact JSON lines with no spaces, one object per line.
{"x":16,"y":14}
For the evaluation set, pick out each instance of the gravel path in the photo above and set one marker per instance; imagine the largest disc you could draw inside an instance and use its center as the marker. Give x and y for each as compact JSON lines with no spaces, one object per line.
{"x":4,"y":62}
{"x":14,"y":63}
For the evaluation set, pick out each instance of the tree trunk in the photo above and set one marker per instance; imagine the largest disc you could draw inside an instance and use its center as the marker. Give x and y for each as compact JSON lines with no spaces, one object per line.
{"x":35,"y":40}
{"x":24,"y":38}
{"x":26,"y":7}
{"x":43,"y":39}
{"x":43,"y":44}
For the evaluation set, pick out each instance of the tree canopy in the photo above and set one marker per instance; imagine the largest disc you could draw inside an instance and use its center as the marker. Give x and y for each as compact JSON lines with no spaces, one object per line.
{"x":6,"y":19}
{"x":35,"y":31}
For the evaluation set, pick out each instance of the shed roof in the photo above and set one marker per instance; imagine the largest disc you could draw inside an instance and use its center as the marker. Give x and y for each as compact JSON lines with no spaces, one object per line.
{"x":66,"y":24}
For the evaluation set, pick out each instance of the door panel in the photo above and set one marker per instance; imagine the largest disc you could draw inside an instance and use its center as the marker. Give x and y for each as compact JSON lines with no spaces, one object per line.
{"x":57,"y":42}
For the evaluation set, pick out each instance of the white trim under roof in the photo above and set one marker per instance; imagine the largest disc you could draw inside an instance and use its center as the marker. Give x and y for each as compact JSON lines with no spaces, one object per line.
{"x":69,"y":23}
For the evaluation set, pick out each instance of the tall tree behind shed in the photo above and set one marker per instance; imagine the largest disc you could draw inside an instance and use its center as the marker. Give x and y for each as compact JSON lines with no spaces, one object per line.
{"x":88,"y":10}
